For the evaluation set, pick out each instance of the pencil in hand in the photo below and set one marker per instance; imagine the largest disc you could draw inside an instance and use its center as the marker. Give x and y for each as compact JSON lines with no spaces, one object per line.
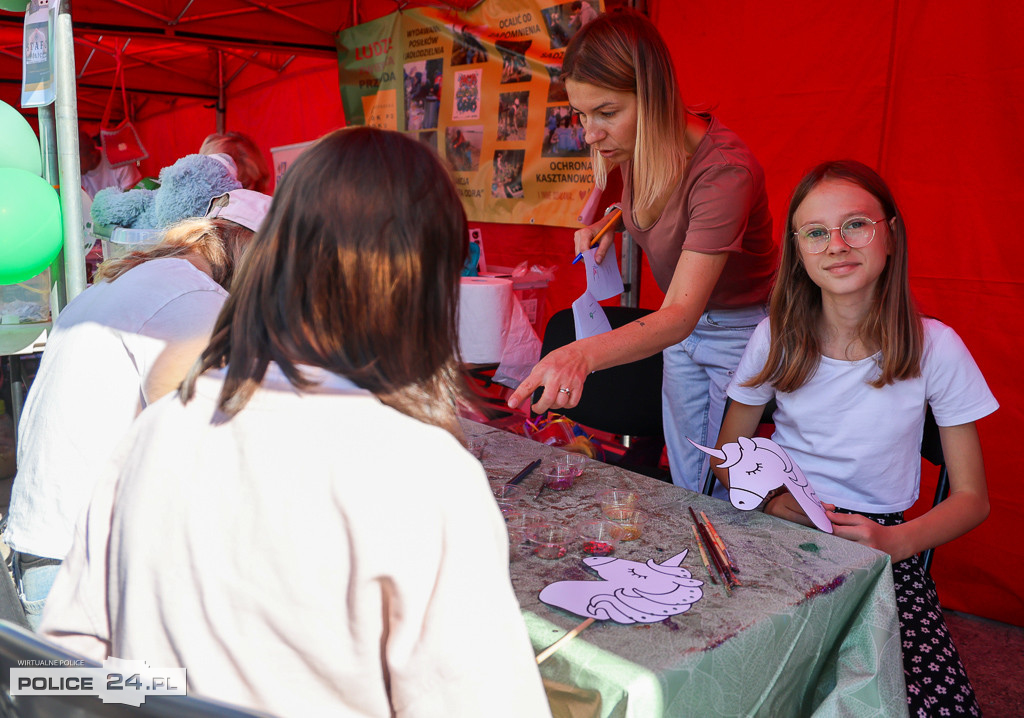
{"x":597,"y":237}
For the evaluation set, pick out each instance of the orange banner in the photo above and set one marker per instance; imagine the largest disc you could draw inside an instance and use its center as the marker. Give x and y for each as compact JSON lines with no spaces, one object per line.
{"x":482,"y":88}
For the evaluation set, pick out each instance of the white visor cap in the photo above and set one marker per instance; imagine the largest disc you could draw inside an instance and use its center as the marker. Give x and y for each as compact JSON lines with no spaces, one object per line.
{"x":242,"y":206}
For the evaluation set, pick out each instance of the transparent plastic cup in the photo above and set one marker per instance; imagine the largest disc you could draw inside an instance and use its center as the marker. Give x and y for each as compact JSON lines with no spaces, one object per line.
{"x":617,"y":500}
{"x":475,"y":446}
{"x":507,"y":496}
{"x":600,"y":537}
{"x":630,"y":522}
{"x":520,"y":524}
{"x":550,"y":541}
{"x":559,"y":476}
{"x":577,"y":462}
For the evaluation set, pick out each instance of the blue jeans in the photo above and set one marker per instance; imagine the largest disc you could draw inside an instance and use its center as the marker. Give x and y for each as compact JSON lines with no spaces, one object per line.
{"x":33,"y":577}
{"x":697,"y":372}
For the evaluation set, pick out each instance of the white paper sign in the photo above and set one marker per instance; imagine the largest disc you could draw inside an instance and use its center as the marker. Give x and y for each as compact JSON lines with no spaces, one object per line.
{"x":589,"y":317}
{"x":604,"y":280}
{"x":37,"y":86}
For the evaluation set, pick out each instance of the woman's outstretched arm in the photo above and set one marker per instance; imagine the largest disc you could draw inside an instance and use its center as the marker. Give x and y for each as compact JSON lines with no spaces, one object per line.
{"x":695,"y":277}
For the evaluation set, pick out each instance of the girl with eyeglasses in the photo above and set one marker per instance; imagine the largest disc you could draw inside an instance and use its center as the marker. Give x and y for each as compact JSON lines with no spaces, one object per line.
{"x":853,"y":367}
{"x":694,"y":200}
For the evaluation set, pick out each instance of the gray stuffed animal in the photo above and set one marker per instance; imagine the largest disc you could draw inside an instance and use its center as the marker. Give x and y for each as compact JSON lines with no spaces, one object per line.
{"x":186,"y":188}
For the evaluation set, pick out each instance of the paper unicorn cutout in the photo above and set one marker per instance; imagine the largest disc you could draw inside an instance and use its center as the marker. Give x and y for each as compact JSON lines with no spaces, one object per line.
{"x":629,"y":592}
{"x":758,"y":465}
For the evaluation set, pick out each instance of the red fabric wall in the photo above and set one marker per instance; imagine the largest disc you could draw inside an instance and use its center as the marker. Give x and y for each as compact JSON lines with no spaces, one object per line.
{"x":931,"y":92}
{"x":274,"y":109}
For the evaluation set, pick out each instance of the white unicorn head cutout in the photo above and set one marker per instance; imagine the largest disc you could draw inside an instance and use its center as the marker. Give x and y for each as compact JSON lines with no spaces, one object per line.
{"x":758,"y":465}
{"x":629,"y":592}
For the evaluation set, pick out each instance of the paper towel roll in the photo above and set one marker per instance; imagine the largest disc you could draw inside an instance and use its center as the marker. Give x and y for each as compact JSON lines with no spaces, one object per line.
{"x":485,"y":308}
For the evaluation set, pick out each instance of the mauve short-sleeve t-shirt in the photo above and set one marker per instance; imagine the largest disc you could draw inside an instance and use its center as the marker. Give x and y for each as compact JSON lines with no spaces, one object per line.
{"x":720,"y":206}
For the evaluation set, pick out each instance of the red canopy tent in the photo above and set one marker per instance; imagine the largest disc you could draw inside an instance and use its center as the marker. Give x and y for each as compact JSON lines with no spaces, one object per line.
{"x":931,"y":92}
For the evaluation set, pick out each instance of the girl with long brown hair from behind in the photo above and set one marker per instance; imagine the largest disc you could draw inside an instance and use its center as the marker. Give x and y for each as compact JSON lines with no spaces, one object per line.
{"x":327,"y":523}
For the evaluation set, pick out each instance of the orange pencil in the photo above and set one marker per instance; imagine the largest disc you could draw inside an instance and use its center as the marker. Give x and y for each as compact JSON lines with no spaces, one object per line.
{"x":720,"y":566}
{"x":703,"y":556}
{"x":597,"y":237}
{"x":718,"y":540}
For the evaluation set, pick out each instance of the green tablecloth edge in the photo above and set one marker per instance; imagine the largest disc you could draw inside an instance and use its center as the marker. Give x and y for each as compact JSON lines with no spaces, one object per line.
{"x":573,"y":663}
{"x":871,"y":686}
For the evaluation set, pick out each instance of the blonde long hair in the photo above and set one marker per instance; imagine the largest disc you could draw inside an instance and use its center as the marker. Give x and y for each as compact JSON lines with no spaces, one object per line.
{"x":623,"y":51}
{"x":220,"y":242}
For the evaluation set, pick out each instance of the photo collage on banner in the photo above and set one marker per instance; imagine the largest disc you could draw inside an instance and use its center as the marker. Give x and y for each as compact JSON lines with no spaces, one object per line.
{"x":482,"y":88}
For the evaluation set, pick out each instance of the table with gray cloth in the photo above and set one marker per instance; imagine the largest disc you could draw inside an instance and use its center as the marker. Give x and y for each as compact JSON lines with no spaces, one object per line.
{"x":812,"y":630}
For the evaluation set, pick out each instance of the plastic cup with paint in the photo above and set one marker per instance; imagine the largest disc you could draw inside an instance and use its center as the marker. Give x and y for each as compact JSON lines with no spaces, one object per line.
{"x":630,"y":522}
{"x":576,"y":461}
{"x":559,"y":476}
{"x":520,"y":524}
{"x":507,"y":496}
{"x":550,"y":541}
{"x":599,"y":537}
{"x":616,"y":501}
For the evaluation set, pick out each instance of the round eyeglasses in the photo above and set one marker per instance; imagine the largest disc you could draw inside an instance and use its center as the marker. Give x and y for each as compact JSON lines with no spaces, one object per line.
{"x":856,"y":231}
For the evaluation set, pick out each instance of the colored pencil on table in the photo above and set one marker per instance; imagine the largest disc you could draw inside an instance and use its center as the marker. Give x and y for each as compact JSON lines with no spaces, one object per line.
{"x":709,"y":544}
{"x":597,"y":237}
{"x":714,"y":559}
{"x":720,"y":542}
{"x":703,"y":556}
{"x":717,"y":549}
{"x":524,"y":473}
{"x":718,"y":552}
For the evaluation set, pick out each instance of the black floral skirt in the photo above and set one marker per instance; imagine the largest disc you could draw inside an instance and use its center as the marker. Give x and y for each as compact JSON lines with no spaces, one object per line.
{"x":937,"y":684}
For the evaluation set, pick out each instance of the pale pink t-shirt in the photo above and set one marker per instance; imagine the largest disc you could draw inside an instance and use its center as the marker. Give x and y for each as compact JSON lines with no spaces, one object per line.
{"x":720,"y":206}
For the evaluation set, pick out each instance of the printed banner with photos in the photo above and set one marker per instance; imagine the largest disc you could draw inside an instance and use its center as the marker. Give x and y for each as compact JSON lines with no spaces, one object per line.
{"x":482,"y":88}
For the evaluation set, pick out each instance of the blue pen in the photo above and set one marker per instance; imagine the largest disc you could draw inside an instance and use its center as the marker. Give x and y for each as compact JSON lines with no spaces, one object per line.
{"x":597,"y":237}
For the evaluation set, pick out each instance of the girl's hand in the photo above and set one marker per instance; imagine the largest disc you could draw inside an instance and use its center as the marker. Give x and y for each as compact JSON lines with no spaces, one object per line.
{"x":863,"y":530}
{"x":566,"y":367}
{"x":784,"y":506}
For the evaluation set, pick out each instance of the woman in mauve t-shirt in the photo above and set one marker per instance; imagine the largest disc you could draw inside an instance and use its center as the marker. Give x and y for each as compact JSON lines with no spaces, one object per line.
{"x":694,"y":200}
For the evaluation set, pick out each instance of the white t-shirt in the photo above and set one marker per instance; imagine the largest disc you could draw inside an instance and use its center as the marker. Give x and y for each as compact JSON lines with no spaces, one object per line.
{"x":89,"y":389}
{"x":860,"y":447}
{"x":103,"y":175}
{"x":318,"y":554}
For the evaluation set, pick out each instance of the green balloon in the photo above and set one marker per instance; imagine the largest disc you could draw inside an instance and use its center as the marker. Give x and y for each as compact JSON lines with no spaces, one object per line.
{"x":18,"y":144}
{"x":31,"y":231}
{"x":14,"y":5}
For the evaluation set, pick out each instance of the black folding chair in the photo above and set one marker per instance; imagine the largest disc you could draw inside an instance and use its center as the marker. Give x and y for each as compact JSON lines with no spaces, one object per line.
{"x":623,"y":400}
{"x":931,"y":450}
